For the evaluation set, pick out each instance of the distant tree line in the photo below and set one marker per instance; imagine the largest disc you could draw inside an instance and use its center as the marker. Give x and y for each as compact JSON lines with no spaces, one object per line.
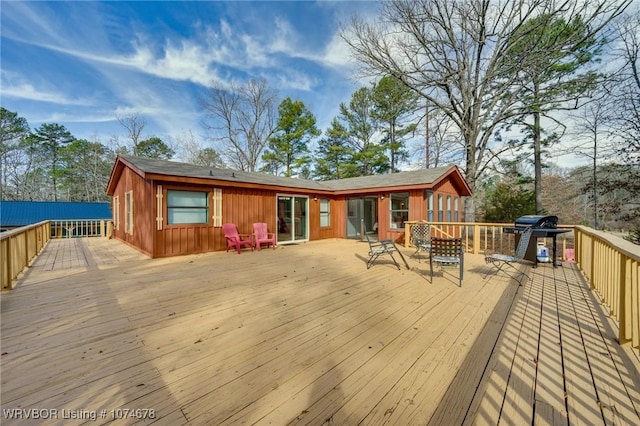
{"x":49,"y":163}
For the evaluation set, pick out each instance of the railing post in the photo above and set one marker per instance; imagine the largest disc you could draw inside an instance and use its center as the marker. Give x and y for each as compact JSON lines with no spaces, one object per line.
{"x":622,"y":301}
{"x":476,"y":238}
{"x":9,"y":260}
{"x":26,"y":248}
{"x":592,"y":267}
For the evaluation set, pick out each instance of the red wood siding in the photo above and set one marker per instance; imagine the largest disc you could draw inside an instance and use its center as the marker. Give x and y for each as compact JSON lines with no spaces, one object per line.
{"x":337,"y":228}
{"x":143,"y":206}
{"x":240,"y":206}
{"x":244,"y":206}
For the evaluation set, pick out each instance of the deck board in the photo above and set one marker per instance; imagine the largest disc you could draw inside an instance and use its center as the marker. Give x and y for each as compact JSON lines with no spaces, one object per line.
{"x":305,"y":334}
{"x":564,"y":366}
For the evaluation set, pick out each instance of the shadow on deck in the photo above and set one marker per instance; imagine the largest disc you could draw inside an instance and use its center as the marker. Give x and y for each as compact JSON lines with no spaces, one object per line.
{"x":305,"y":334}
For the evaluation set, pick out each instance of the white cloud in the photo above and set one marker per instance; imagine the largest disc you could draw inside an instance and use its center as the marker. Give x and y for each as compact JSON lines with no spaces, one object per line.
{"x":15,"y":87}
{"x":137,"y":70}
{"x":337,"y":53}
{"x":295,"y":80}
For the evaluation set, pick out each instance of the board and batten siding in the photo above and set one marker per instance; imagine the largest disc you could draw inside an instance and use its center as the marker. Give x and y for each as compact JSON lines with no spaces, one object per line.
{"x":140,"y":236}
{"x":242,"y":206}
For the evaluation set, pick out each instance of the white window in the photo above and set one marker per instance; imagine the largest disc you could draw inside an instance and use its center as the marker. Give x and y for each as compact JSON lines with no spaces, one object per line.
{"x":187,"y":207}
{"x":430,"y":206}
{"x":325,"y":212}
{"x":448,"y":208}
{"x":399,"y":209}
{"x":440,"y":208}
{"x":455,"y":209}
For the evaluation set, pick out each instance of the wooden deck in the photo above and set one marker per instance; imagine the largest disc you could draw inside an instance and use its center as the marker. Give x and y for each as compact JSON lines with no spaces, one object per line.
{"x":304,"y":334}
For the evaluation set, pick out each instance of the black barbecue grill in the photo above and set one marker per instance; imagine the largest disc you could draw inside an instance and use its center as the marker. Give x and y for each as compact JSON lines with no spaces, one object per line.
{"x":543,"y":227}
{"x":536,"y":222}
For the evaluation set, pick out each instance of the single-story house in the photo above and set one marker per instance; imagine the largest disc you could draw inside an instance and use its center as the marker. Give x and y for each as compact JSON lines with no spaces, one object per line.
{"x":166,"y":208}
{"x":14,"y":214}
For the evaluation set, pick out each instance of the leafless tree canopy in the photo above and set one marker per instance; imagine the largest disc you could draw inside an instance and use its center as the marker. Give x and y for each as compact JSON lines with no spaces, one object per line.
{"x":627,"y":113}
{"x":452,"y":53}
{"x":191,"y":150}
{"x":134,"y":124}
{"x":240,"y":119}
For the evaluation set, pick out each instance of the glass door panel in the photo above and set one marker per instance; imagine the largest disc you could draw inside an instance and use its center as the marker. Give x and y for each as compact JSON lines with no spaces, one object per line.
{"x":285,"y":227}
{"x":354,"y":207}
{"x":362,"y":216}
{"x":292,"y":218}
{"x":300,"y":218}
{"x":371,"y":215}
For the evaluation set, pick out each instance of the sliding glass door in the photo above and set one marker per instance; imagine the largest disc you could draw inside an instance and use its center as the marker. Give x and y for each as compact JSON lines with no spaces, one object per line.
{"x":362,"y":216}
{"x":293,"y":220}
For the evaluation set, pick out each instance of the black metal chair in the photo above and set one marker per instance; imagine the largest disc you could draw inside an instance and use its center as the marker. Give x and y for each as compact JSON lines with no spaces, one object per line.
{"x":447,"y":251}
{"x":379,"y":248}
{"x":421,"y":238}
{"x":501,"y":260}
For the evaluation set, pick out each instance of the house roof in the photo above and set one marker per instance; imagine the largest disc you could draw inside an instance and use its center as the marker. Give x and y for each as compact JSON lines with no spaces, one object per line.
{"x":21,"y":213}
{"x":414,"y":177}
{"x":150,"y":168}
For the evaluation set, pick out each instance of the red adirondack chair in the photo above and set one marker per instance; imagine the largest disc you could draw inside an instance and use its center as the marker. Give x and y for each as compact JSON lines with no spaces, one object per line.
{"x":262,"y":236}
{"x":234,"y":239}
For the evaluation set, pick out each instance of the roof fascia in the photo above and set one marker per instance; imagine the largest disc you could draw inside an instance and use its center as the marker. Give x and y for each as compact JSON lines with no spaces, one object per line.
{"x":457,"y":178}
{"x":379,"y":189}
{"x":116,"y":172}
{"x":236,"y":184}
{"x":121,"y":163}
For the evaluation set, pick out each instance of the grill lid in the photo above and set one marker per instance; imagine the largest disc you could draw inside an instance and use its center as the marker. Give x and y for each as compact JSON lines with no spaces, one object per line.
{"x":537,"y":221}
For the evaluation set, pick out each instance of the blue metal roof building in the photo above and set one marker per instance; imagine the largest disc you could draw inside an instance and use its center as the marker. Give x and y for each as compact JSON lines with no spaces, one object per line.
{"x":20,"y":213}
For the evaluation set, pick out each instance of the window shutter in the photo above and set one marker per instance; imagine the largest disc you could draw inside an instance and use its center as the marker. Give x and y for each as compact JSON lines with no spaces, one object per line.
{"x":116,"y":212}
{"x":217,"y":207}
{"x":159,"y":209}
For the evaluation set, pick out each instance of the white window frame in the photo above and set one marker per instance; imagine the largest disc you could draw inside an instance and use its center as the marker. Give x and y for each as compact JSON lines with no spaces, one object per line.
{"x":456,"y":209}
{"x":176,"y":208}
{"x":325,"y":212}
{"x":402,"y":213}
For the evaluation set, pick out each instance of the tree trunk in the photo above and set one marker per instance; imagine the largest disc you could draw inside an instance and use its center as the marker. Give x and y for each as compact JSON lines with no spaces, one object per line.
{"x":537,"y":160}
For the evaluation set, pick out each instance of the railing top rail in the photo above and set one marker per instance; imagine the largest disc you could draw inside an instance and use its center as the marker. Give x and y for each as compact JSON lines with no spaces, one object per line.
{"x":17,"y":231}
{"x":77,"y":220}
{"x":625,"y":247}
{"x":496,"y":224}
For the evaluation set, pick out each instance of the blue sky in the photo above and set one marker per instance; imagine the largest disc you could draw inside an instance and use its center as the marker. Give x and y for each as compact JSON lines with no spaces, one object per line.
{"x":80,"y":64}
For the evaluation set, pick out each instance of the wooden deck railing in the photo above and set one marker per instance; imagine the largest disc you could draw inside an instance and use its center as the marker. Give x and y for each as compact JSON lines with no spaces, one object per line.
{"x":80,"y":228}
{"x":610,"y":264}
{"x":484,"y":237}
{"x":19,"y":246}
{"x":612,"y":267}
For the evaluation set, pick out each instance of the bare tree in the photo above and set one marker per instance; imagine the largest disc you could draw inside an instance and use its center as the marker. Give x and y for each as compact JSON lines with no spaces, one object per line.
{"x":627,"y":115}
{"x":592,"y":126}
{"x":192,"y":151}
{"x":241,"y":119}
{"x":134,"y":124}
{"x":444,"y":143}
{"x":453,"y":54}
{"x":624,"y":177}
{"x":13,"y":129}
